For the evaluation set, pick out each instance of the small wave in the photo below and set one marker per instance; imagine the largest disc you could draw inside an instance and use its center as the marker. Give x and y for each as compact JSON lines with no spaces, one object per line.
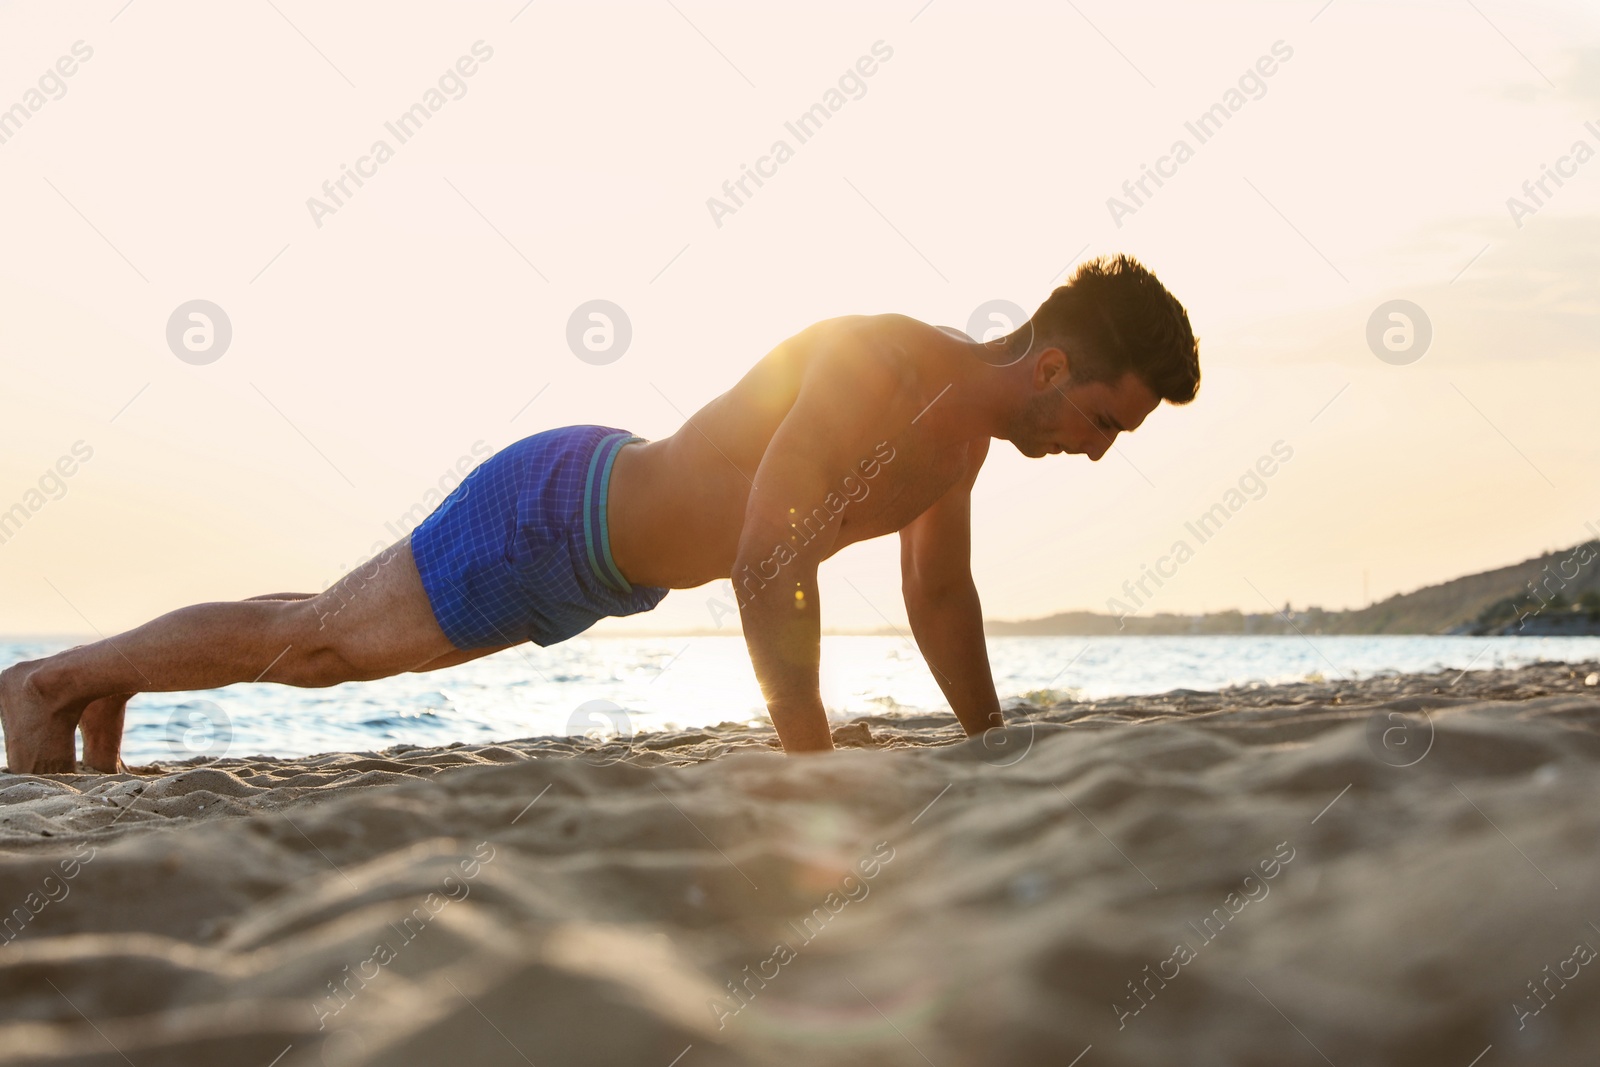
{"x":397,"y":719}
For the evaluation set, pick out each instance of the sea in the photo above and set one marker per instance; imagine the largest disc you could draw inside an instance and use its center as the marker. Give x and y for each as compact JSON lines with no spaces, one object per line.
{"x":628,"y":686}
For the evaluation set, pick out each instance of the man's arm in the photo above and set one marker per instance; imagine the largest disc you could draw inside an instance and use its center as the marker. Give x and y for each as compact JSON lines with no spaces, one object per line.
{"x":942,"y":604}
{"x":791,"y":524}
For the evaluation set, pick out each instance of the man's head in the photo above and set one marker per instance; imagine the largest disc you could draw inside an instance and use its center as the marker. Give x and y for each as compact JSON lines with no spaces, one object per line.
{"x":1099,"y":355}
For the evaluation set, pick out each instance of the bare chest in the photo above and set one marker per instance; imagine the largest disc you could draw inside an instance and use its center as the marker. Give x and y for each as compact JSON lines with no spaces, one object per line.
{"x":907,"y":476}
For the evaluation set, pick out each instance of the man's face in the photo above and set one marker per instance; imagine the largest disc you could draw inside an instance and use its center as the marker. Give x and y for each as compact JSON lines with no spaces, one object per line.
{"x":1078,"y":418}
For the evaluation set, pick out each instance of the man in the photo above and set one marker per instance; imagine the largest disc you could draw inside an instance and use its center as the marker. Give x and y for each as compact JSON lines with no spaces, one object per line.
{"x":855,"y":427}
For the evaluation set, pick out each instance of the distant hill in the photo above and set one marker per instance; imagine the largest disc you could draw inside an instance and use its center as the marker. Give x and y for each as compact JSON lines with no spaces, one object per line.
{"x":1557,"y":593}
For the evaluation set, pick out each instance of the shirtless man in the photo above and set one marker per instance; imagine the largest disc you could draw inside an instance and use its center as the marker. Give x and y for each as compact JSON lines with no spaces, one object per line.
{"x":854,"y":428}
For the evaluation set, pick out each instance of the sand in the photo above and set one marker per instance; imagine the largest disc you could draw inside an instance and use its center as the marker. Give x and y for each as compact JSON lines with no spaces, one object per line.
{"x":1396,"y":871}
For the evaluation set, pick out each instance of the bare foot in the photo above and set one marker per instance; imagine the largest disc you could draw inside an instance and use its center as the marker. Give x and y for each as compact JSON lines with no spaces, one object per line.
{"x":101,"y":726}
{"x":39,"y":739}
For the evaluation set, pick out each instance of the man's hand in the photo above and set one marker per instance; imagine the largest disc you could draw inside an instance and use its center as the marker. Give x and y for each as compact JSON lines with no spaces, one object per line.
{"x":942,"y":603}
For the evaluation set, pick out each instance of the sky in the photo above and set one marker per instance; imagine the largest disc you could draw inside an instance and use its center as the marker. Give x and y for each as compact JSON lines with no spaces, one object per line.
{"x":382,"y":335}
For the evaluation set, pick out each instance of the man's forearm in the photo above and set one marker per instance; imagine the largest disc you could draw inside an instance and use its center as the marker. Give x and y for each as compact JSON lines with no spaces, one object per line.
{"x":949,"y":631}
{"x":783,"y":631}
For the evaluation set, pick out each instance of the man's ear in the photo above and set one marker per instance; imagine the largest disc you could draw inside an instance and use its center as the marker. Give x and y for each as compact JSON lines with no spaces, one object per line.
{"x":1051,"y":369}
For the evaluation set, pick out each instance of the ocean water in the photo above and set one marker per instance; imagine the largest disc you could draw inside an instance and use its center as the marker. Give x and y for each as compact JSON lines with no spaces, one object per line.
{"x":631,"y":685}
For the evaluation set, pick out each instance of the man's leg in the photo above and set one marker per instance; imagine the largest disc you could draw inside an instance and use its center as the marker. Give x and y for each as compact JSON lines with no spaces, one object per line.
{"x":102,"y":721}
{"x":374,"y":622}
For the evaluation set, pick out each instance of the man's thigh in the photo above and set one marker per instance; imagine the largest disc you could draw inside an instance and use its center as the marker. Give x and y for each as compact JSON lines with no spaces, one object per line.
{"x":460,"y":656}
{"x":378,"y":618}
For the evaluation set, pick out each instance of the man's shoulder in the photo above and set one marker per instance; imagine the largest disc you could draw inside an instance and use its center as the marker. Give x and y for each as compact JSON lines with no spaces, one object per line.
{"x":885,"y":325}
{"x":884,"y":360}
{"x":884,"y":340}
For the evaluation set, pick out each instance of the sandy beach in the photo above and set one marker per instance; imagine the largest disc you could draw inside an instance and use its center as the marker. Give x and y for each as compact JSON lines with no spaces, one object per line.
{"x":1392,"y":871}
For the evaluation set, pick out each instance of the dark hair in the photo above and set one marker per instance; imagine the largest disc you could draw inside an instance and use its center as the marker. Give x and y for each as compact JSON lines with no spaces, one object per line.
{"x":1128,"y":322}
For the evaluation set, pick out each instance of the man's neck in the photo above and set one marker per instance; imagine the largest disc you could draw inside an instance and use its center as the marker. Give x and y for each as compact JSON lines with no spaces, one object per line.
{"x":988,"y":381}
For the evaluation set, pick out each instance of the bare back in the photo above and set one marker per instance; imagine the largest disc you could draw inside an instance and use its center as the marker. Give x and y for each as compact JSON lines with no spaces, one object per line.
{"x":678,"y":505}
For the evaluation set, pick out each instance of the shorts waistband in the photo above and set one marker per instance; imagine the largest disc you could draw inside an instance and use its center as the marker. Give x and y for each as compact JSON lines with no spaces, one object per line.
{"x":596,"y":531}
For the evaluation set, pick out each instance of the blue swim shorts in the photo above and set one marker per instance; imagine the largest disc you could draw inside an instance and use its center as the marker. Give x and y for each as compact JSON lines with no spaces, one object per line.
{"x":520,"y":551}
